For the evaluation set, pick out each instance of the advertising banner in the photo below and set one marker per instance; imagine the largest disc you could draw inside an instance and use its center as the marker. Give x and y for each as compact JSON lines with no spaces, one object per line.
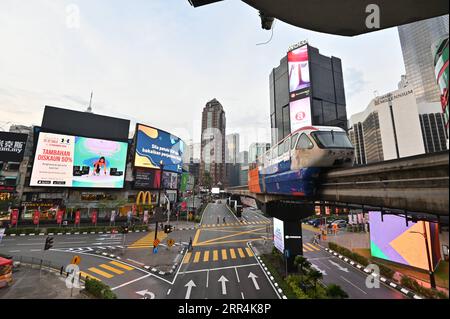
{"x":77,"y":217}
{"x":147,"y":178}
{"x":2,"y":233}
{"x":278,"y":234}
{"x":59,"y":217}
{"x":154,"y":146}
{"x":12,"y":146}
{"x":72,"y":161}
{"x":170,"y":180}
{"x":36,"y":217}
{"x":94,"y":217}
{"x":300,"y":113}
{"x":298,"y":70}
{"x":14,"y":217}
{"x":113,"y":216}
{"x":392,"y":239}
{"x":145,"y":216}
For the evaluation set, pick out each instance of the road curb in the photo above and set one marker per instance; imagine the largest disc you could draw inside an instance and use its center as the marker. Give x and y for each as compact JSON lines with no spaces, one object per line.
{"x":384,"y":280}
{"x":267,"y":272}
{"x":37,"y":233}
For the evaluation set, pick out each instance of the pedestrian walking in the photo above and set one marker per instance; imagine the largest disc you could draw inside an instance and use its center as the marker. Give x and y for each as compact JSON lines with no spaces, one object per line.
{"x":224,"y":220}
{"x":218,"y":221}
{"x":190,"y":244}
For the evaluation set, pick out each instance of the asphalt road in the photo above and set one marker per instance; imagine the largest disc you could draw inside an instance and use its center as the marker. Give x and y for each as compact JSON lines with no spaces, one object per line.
{"x":221,"y":264}
{"x":336,"y":271}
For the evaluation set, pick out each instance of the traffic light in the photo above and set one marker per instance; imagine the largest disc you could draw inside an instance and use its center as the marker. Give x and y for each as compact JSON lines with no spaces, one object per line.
{"x":48,"y":243}
{"x":168,"y":229}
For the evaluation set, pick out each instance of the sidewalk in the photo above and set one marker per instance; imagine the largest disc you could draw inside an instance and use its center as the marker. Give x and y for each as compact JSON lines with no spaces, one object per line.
{"x":28,"y":284}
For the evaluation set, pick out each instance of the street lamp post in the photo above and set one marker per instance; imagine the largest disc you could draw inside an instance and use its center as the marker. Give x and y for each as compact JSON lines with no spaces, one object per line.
{"x":161,"y":166}
{"x":430,"y":267}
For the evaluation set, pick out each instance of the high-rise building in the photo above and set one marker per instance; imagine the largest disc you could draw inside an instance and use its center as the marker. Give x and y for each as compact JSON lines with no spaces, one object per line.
{"x":256,"y":150}
{"x":440,"y":57}
{"x":394,"y":126}
{"x":307,"y":88}
{"x":416,"y":40}
{"x":212,"y":162}
{"x":232,"y":148}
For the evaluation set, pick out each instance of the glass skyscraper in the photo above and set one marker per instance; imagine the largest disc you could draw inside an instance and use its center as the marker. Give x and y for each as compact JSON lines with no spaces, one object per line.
{"x":416,"y":40}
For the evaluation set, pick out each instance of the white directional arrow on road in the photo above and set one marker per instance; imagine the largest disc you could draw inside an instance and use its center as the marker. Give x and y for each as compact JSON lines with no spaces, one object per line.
{"x":146,"y":294}
{"x":323,"y":272}
{"x":338,"y":266}
{"x":253,"y":277}
{"x":224,"y":281}
{"x":189,"y":286}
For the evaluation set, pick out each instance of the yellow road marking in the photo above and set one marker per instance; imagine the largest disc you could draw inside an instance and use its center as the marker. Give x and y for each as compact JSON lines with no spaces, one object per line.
{"x":114,"y":270}
{"x":206,"y":255}
{"x":224,"y":254}
{"x":197,"y":234}
{"x":249,"y":252}
{"x":85,"y":275}
{"x":197,"y":257}
{"x":115,"y":263}
{"x":241,"y":253}
{"x":232,"y":253}
{"x":307,"y":248}
{"x":100,"y":272}
{"x":233,"y":235}
{"x":186,"y":258}
{"x":312,"y":246}
{"x":215,"y":255}
{"x":230,"y":241}
{"x":147,"y":240}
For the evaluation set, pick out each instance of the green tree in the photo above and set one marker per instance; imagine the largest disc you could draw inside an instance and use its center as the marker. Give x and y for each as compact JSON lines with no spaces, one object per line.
{"x":336,"y":292}
{"x":315,"y":276}
{"x":302,"y":263}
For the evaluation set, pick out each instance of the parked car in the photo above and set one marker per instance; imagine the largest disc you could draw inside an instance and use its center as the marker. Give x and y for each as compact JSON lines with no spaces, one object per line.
{"x":314,"y":222}
{"x":340,"y":223}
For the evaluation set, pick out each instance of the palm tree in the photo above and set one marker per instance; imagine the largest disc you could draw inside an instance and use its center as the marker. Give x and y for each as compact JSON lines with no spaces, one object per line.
{"x":302,"y":263}
{"x":336,"y":292}
{"x":315,"y":276}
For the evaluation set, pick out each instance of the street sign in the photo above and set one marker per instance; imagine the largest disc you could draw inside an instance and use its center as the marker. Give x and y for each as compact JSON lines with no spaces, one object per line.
{"x":156,"y":242}
{"x":170,"y":242}
{"x":286,"y":253}
{"x":76,"y":260}
{"x":155,"y":250}
{"x":293,"y":237}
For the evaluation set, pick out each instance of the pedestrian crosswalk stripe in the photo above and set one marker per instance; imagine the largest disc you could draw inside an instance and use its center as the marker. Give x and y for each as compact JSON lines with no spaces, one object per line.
{"x":224,"y":254}
{"x":186,"y":258}
{"x":115,"y":263}
{"x":312,"y":246}
{"x":307,"y":248}
{"x":197,"y":257}
{"x":100,"y":272}
{"x":85,"y":275}
{"x":114,"y":270}
{"x":147,"y":240}
{"x":215,"y":255}
{"x":241,"y":253}
{"x":206,"y":256}
{"x":249,"y":251}
{"x":232,"y":253}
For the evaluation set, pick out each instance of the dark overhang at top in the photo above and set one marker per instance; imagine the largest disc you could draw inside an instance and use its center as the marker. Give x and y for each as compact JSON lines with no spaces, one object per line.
{"x":344,"y":17}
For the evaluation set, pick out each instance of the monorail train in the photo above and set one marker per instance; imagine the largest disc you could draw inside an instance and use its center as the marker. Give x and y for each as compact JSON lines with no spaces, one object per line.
{"x":292,"y":167}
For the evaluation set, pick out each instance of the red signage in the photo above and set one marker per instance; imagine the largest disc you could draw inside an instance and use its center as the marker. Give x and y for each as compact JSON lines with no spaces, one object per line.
{"x":94,"y":217}
{"x":183,"y":205}
{"x":14,"y":217}
{"x":77,"y":217}
{"x":36,"y":217}
{"x":59,"y":216}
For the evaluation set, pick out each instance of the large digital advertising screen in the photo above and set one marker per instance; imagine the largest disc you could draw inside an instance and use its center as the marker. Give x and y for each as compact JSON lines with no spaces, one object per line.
{"x":298,"y":70}
{"x":154,"y":146}
{"x":394,"y":240}
{"x":300,"y":113}
{"x":12,"y":146}
{"x":74,"y":161}
{"x":169,"y":180}
{"x":147,"y":178}
{"x":278,"y":234}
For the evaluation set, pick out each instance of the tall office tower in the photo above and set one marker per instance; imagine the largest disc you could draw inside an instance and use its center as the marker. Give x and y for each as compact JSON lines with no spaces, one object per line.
{"x":256,"y":150}
{"x":416,"y":40}
{"x":232,"y":148}
{"x":212,"y":162}
{"x":307,"y":88}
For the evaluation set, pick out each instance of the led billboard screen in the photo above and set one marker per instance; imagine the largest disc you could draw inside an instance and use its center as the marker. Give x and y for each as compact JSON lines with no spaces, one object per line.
{"x":154,"y":146}
{"x":278,"y":234}
{"x":169,"y":180}
{"x":147,"y":178}
{"x":298,"y":70}
{"x":300,"y":113}
{"x":12,"y":146}
{"x":74,"y":161}
{"x":394,"y":240}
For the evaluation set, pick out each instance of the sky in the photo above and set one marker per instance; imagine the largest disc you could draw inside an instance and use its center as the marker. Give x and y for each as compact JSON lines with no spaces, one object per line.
{"x":158,"y":62}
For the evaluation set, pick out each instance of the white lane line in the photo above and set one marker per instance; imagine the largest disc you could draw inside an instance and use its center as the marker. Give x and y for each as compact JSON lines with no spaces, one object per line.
{"x":242,"y":295}
{"x":237,"y":276}
{"x":130,"y":282}
{"x":14,"y":251}
{"x":354,"y":285}
{"x":207,"y":279}
{"x":35,"y":249}
{"x":136,"y":262}
{"x":168,"y":291}
{"x":213,"y":269}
